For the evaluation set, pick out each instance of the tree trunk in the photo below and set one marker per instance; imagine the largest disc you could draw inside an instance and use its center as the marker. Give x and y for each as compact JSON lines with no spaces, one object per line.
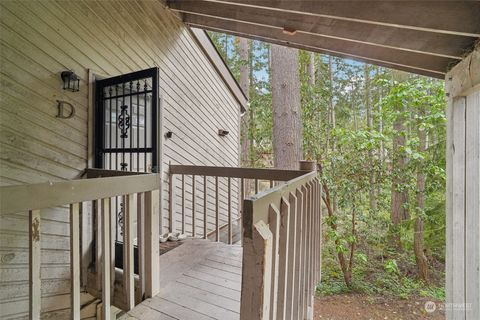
{"x":245,"y":86}
{"x":311,"y":69}
{"x":333,"y":122}
{"x":287,"y":122}
{"x":372,"y":191}
{"x":399,"y":196}
{"x":420,"y":205}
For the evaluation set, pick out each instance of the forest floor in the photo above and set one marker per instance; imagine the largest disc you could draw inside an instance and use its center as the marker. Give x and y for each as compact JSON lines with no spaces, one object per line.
{"x":358,"y":306}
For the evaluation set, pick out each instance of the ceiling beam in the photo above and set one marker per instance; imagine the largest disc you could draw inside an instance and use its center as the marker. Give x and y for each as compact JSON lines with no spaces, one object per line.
{"x":430,"y":65}
{"x":446,"y":45}
{"x":448,"y":17}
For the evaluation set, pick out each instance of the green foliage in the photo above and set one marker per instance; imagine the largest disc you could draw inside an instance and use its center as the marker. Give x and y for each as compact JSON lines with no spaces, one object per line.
{"x":359,"y":160}
{"x":391,"y":266}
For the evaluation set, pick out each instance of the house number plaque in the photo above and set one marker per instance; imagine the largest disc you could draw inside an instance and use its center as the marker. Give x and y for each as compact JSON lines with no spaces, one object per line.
{"x":66,"y":110}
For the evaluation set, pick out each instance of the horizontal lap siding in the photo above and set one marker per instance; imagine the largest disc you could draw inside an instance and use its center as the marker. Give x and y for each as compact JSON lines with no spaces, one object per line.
{"x":39,"y":40}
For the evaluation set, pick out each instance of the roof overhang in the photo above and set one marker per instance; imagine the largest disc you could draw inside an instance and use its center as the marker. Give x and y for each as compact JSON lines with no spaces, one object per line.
{"x":423,"y":37}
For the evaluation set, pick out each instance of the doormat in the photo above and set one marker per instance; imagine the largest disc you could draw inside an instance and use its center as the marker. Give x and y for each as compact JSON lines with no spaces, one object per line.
{"x":169,"y":245}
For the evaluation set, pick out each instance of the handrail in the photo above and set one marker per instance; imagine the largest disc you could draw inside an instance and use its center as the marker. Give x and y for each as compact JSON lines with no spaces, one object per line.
{"x":140,"y":196}
{"x":103,"y":173}
{"x":20,"y":198}
{"x":236,"y":172}
{"x":235,"y":178}
{"x":260,"y":202}
{"x":281,"y":250}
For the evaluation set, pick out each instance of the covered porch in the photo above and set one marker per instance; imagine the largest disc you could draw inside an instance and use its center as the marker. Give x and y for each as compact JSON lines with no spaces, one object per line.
{"x":272,"y":270}
{"x":268,"y":269}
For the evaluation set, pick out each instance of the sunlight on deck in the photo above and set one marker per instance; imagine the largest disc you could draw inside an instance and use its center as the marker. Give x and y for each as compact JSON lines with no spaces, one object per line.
{"x":198,"y":280}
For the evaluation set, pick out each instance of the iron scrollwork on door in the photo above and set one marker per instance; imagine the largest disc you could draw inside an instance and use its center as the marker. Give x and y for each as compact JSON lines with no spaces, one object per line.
{"x":124,"y":122}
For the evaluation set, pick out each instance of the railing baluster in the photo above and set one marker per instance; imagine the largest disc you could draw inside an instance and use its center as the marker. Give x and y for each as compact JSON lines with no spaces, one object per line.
{"x":256,"y":186}
{"x":274,"y":223}
{"x":297,"y":290}
{"x":205,"y":231}
{"x":217,"y":218}
{"x":271,"y":183}
{"x":292,"y":236}
{"x":305,"y":253}
{"x":34,"y":264}
{"x":141,"y":245}
{"x":193,"y":206}
{"x":172,"y":198}
{"x":229,"y":195}
{"x":183,"y":203}
{"x":75,"y":260}
{"x":242,"y":210}
{"x":317,"y":232}
{"x":310,"y":250}
{"x":98,"y":242}
{"x":284,"y":257}
{"x":152,"y":249}
{"x":105,"y":270}
{"x":128,"y":263}
{"x":319,"y":228}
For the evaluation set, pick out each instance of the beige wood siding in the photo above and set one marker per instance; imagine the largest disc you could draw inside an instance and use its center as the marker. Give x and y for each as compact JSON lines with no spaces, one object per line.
{"x":38,"y":40}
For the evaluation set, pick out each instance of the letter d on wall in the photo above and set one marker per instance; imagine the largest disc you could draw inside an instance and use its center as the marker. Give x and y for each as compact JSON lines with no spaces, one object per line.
{"x":65,"y":110}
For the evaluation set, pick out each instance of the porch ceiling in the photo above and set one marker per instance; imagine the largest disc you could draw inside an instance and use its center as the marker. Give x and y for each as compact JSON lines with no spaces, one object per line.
{"x":423,"y":37}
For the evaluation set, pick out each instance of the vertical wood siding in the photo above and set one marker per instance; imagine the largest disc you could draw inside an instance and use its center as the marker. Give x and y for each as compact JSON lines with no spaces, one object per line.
{"x":39,"y":40}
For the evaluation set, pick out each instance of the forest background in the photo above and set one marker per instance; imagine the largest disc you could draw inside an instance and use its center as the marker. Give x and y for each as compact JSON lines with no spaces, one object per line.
{"x":379,"y":138}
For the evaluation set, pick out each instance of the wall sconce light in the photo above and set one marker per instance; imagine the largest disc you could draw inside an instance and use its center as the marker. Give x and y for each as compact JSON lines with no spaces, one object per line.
{"x":168,"y":134}
{"x":71,"y":81}
{"x":222,"y":132}
{"x":289,"y":31}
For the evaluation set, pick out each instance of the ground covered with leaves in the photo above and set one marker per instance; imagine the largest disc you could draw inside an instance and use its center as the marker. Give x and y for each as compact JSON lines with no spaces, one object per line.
{"x":356,"y":306}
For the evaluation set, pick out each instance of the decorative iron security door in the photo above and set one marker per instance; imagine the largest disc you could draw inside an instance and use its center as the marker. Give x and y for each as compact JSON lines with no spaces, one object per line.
{"x":126,"y":122}
{"x":126,"y":134}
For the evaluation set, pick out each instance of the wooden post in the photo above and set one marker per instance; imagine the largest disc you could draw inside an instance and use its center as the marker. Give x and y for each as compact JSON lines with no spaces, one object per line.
{"x":35,"y":294}
{"x":257,"y":259}
{"x":75,"y":260}
{"x":472,"y":206}
{"x":152,"y":249}
{"x":128,"y":262}
{"x":105,"y":270}
{"x":462,"y":87}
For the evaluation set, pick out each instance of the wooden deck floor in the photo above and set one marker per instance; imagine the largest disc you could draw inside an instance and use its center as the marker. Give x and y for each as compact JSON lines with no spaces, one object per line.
{"x":198,"y":280}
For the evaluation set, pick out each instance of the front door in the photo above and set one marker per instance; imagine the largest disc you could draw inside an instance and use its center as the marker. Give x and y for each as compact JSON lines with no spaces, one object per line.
{"x":126,"y":131}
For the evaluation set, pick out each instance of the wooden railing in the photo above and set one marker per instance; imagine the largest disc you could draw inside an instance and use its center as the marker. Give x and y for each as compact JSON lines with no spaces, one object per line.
{"x":281,"y":250}
{"x":141,"y":194}
{"x":216,"y":192}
